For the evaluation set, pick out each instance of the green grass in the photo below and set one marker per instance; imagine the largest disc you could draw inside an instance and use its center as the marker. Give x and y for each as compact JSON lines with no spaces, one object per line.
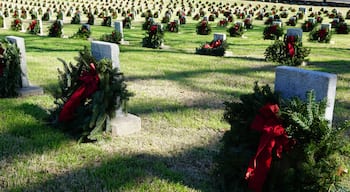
{"x":178,"y":96}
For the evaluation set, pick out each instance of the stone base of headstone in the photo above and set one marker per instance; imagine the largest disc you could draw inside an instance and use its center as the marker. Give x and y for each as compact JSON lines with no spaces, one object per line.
{"x":123,"y":42}
{"x":228,"y":54}
{"x":125,"y":124}
{"x":30,"y":91}
{"x":164,"y":46}
{"x":244,"y":37}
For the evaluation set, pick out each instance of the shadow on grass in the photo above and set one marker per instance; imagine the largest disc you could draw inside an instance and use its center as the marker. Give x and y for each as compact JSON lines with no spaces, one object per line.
{"x":190,"y":169}
{"x":29,"y":136}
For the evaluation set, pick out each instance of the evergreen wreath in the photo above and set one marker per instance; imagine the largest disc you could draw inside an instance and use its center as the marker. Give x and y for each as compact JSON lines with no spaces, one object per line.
{"x":127,"y":22}
{"x":314,"y":157}
{"x":59,"y":15}
{"x":236,"y":30}
{"x":105,"y":91}
{"x":321,"y":35}
{"x":248,"y":23}
{"x":154,"y":37}
{"x":292,"y":21}
{"x":308,"y":26}
{"x":107,"y":21}
{"x":55,"y":29}
{"x":91,"y":19}
{"x":75,"y":19}
{"x":203,"y":28}
{"x":84,"y":32}
{"x":114,"y":37}
{"x":342,"y":28}
{"x":10,"y":69}
{"x":215,"y":48}
{"x":46,"y":16}
{"x":173,"y":27}
{"x":290,"y":51}
{"x":148,"y":23}
{"x":34,"y":27}
{"x":273,"y":32}
{"x":16,"y":24}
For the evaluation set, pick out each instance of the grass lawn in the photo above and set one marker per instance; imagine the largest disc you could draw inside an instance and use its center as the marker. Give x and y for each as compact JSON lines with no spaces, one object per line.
{"x":178,"y":95}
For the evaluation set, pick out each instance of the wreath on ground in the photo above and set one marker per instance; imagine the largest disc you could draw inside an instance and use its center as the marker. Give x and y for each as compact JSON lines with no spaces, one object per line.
{"x":308,"y":26}
{"x":34,"y":27}
{"x":55,"y":29}
{"x":236,"y":30}
{"x":107,"y":21}
{"x":90,"y":93}
{"x":91,"y":19}
{"x":215,"y":48}
{"x":273,"y":32}
{"x":154,"y":37}
{"x":297,"y":151}
{"x":84,"y":32}
{"x":114,"y":37}
{"x":10,"y":69}
{"x":290,"y":51}
{"x":203,"y":28}
{"x":173,"y":27}
{"x":322,"y":35}
{"x":127,"y":22}
{"x":16,"y":24}
{"x":342,"y":28}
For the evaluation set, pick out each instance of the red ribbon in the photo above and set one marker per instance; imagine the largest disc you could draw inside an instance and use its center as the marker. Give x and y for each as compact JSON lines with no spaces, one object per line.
{"x":290,"y":45}
{"x":153,"y":29}
{"x":273,"y":137}
{"x":90,"y":81}
{"x":322,"y":34}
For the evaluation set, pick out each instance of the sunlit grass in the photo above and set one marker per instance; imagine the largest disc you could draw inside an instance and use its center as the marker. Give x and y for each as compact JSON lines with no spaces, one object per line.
{"x":178,"y":95}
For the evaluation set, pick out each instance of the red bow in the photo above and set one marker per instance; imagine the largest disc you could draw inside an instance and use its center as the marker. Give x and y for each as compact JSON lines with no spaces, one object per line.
{"x":290,"y":45}
{"x":273,"y":137}
{"x":90,"y":81}
{"x":322,"y":34}
{"x":215,"y":44}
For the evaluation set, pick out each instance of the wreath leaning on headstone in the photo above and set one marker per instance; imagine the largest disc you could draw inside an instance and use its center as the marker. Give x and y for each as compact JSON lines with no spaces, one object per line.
{"x":322,"y":35}
{"x":290,"y":51}
{"x":114,"y":37}
{"x":214,"y":48}
{"x":278,"y":145}
{"x":55,"y":29}
{"x":154,"y":37}
{"x":10,"y":69}
{"x":90,"y":93}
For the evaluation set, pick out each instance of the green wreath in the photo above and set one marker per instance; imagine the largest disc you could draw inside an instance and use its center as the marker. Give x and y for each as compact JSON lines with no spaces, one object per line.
{"x":154,"y":37}
{"x":317,"y":160}
{"x":10,"y":69}
{"x":278,"y":52}
{"x":114,"y":37}
{"x":91,"y":118}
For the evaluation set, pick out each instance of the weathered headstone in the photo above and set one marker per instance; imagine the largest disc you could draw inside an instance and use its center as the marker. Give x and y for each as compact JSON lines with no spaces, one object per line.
{"x":118,"y":26}
{"x":295,"y":32}
{"x":293,"y":81}
{"x":26,"y":89}
{"x":278,"y":23}
{"x":220,"y":36}
{"x":303,"y":10}
{"x":327,"y":26}
{"x":122,"y":123}
{"x":101,"y":50}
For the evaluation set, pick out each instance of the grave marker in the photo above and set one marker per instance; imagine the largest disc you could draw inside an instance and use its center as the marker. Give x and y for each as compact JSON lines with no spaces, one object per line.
{"x":327,"y":26}
{"x":123,"y":123}
{"x":27,"y":89}
{"x":220,"y":36}
{"x":278,"y":23}
{"x":293,"y":81}
{"x":295,"y":32}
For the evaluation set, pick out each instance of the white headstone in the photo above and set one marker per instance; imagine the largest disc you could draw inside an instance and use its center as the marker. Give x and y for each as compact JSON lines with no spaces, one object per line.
{"x":104,"y":50}
{"x":19,"y":41}
{"x":118,"y":26}
{"x":326,"y":26}
{"x":295,"y":32}
{"x":293,"y":81}
{"x":220,"y":36}
{"x":41,"y":27}
{"x":26,"y":89}
{"x":312,"y":20}
{"x":123,"y":123}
